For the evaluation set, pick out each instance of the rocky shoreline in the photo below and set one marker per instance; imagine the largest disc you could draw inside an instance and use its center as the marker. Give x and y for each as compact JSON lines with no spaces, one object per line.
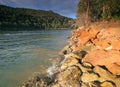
{"x":91,"y":59}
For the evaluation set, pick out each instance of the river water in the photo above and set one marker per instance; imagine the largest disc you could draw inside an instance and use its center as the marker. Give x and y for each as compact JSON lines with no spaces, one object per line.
{"x":24,"y":52}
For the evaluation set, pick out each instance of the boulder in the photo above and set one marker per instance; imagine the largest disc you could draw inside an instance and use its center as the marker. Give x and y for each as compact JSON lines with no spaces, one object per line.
{"x":108,"y":84}
{"x":84,"y":68}
{"x":108,"y":37}
{"x":110,"y":59}
{"x":104,"y":73}
{"x":68,"y":61}
{"x":70,"y":77}
{"x":56,"y":85}
{"x":84,"y":85}
{"x":89,"y":77}
{"x":73,"y":55}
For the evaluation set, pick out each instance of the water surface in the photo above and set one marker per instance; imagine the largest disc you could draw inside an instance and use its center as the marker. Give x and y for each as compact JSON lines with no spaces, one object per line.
{"x":25,"y":52}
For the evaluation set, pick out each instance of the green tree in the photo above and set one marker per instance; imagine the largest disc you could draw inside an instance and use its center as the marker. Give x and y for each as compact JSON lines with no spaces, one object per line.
{"x":21,"y":17}
{"x":95,"y":10}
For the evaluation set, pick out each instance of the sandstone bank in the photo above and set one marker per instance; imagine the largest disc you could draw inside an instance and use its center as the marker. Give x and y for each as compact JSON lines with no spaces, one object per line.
{"x":91,"y":59}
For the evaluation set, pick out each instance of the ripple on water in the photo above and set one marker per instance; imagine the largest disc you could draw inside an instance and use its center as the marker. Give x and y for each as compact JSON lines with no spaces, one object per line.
{"x":22,"y":53}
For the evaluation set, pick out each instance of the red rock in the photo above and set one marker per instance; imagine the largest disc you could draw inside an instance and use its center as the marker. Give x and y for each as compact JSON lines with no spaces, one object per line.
{"x":116,"y":45}
{"x":104,"y":36}
{"x":108,"y":37}
{"x":110,"y":59}
{"x":84,"y":36}
{"x":99,"y":35}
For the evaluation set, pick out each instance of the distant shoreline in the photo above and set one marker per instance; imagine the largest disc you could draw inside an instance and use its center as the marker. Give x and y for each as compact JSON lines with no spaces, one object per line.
{"x":30,"y":29}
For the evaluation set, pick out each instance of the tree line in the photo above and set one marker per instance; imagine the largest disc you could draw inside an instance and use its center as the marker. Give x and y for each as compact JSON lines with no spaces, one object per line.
{"x":98,"y":10}
{"x":23,"y":18}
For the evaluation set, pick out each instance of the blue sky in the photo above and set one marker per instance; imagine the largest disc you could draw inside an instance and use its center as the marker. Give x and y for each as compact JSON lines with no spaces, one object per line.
{"x":64,"y":7}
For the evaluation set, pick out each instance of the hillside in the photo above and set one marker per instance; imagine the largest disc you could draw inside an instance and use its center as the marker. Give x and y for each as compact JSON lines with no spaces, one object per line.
{"x":16,"y":18}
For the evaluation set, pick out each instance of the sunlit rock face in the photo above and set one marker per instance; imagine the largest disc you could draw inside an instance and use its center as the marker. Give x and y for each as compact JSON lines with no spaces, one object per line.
{"x":102,"y":42}
{"x":91,"y":59}
{"x":110,"y":59}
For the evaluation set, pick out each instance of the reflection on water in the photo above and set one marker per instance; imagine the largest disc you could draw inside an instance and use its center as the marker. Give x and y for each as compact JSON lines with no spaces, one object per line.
{"x":25,"y":52}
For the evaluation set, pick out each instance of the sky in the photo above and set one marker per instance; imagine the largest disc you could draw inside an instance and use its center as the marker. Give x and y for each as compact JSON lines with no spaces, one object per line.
{"x":64,"y":7}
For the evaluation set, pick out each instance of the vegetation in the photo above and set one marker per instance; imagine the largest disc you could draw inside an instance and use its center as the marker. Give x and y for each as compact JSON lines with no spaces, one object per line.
{"x":15,"y":18}
{"x":97,"y":10}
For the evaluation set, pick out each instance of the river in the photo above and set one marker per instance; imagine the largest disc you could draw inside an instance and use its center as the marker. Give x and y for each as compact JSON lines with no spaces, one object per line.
{"x":24,"y":52}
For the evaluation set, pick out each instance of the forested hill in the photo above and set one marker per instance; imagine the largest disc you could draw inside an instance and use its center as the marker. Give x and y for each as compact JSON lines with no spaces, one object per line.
{"x":22,"y":18}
